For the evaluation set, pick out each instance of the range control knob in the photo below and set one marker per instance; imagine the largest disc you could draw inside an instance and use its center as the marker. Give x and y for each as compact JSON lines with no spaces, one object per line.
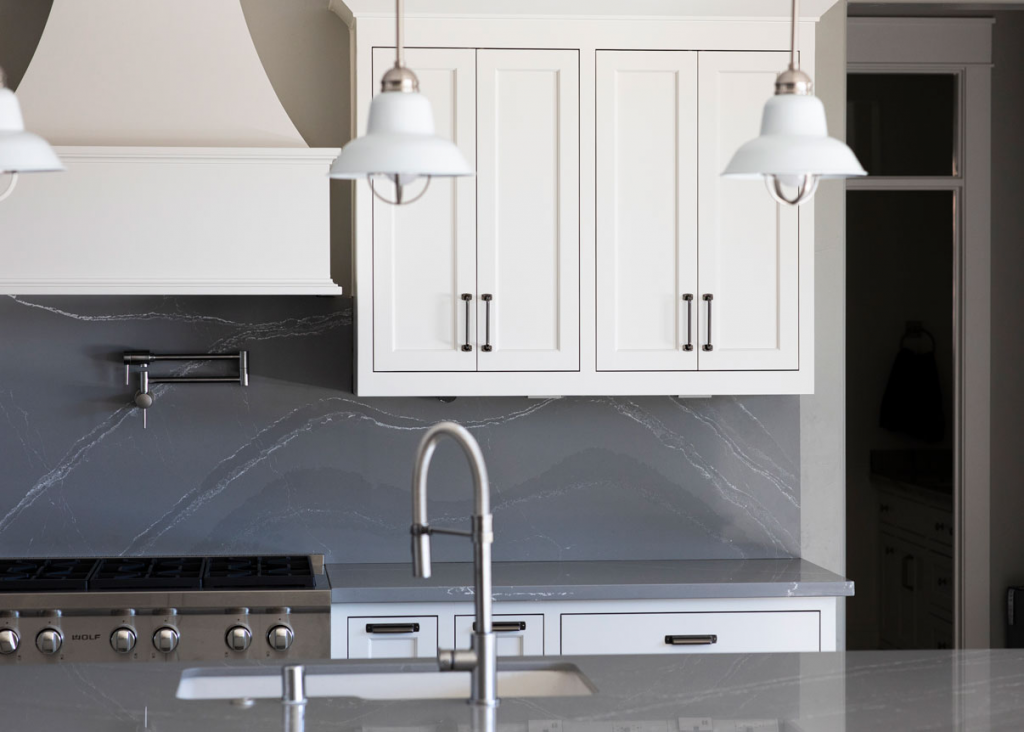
{"x":49,"y":641}
{"x":238,"y":638}
{"x":123,"y":640}
{"x":9,"y":641}
{"x":166,"y":639}
{"x":280,"y":637}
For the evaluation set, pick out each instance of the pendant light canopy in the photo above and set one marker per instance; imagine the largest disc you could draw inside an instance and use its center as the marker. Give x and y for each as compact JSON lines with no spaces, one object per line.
{"x":794,"y":150}
{"x":20,"y":151}
{"x":400,"y":143}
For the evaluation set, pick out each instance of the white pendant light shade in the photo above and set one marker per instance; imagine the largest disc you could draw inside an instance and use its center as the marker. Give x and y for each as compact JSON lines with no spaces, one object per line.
{"x":20,"y":151}
{"x":794,"y":143}
{"x":400,"y":141}
{"x":793,"y":150}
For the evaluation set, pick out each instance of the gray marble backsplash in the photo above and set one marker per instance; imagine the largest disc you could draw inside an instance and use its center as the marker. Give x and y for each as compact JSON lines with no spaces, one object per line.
{"x":296,"y":463}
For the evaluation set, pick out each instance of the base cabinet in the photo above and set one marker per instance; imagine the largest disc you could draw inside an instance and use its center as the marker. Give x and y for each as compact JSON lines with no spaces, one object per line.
{"x":656,"y":633}
{"x":584,"y":628}
{"x":402,"y":636}
{"x":516,"y":635}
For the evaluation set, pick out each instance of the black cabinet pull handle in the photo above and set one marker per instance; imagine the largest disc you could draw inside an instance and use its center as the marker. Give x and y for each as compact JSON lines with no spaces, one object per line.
{"x":392,"y":628}
{"x":689,"y":322}
{"x":467,"y":298}
{"x":506,"y":626}
{"x":708,"y":298}
{"x":487,"y":323}
{"x":691,"y":640}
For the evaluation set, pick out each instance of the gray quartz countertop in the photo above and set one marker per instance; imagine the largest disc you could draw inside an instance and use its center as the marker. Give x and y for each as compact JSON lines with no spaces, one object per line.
{"x":593,"y":580}
{"x":854,"y":692}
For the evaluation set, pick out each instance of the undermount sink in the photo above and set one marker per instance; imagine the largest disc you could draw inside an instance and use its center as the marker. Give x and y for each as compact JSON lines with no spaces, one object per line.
{"x":330,"y":681}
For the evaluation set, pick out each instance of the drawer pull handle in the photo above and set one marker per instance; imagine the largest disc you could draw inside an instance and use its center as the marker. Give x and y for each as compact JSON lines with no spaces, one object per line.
{"x":691,"y":640}
{"x":487,"y":347}
{"x":689,"y":322}
{"x":392,"y":628}
{"x":467,"y":298}
{"x":708,"y":346}
{"x":506,"y":626}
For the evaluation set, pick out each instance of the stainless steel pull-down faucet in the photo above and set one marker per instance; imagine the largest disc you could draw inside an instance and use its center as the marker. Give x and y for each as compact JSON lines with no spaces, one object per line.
{"x":481,"y":661}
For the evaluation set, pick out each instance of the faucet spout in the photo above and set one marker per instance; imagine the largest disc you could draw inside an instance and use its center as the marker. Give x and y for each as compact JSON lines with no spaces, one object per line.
{"x":482,"y":660}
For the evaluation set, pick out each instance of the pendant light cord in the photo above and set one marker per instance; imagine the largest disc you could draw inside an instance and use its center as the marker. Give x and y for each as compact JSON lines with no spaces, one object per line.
{"x":399,"y":40}
{"x":794,"y":38}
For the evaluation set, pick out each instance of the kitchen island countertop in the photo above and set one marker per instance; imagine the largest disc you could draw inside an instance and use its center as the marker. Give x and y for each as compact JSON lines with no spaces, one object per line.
{"x":591,"y":580}
{"x":853,"y":692}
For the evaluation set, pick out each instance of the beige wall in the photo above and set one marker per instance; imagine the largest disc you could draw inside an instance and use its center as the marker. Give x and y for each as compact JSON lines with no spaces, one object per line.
{"x":822,"y":415}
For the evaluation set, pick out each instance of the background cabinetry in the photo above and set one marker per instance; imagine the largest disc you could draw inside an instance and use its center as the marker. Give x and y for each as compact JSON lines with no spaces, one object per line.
{"x":916,"y":568}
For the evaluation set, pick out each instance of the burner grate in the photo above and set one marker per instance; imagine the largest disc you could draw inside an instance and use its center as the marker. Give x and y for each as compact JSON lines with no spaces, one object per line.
{"x":257,"y":573}
{"x":148,"y":573}
{"x":43,"y":575}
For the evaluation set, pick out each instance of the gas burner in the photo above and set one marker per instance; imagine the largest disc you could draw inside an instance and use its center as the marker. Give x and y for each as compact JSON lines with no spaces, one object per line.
{"x":148,"y":573}
{"x":256,"y":573}
{"x":19,"y":575}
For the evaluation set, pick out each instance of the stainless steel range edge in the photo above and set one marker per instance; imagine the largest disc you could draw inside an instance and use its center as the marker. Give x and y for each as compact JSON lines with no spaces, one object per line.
{"x":132,"y":609}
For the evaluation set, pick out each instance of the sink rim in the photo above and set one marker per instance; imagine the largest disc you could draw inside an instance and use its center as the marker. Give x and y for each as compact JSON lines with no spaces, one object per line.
{"x":367,"y":667}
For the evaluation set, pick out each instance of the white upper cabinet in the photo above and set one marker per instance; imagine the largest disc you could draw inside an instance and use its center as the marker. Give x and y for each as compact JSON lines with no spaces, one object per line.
{"x":424,"y":261}
{"x":646,"y":210}
{"x":598,"y":250}
{"x":749,"y":245}
{"x":528,"y":245}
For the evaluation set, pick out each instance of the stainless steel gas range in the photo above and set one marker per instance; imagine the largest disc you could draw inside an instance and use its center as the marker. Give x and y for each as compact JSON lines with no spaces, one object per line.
{"x":164,"y":609}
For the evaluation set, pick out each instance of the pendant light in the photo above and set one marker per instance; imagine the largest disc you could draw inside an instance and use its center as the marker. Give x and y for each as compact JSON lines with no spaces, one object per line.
{"x":20,"y":151}
{"x":794,"y":150}
{"x":400,"y":143}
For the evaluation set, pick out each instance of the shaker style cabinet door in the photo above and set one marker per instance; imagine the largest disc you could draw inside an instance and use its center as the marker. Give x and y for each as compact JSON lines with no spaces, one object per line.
{"x":528,"y":245}
{"x":749,"y":247}
{"x":647,"y":304}
{"x":424,"y":254}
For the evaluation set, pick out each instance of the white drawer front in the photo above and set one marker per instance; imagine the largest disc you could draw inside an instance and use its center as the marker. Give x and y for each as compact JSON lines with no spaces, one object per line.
{"x":392,"y":637}
{"x":733,"y":632}
{"x":520,"y":641}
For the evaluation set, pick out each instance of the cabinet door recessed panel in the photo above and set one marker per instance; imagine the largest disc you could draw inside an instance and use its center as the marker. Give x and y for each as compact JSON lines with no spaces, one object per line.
{"x":647,"y":210}
{"x":749,"y":247}
{"x":424,"y":254}
{"x":528,"y":217}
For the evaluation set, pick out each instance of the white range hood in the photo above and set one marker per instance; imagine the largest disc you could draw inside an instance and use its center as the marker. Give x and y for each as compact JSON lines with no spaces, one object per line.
{"x":185,"y":173}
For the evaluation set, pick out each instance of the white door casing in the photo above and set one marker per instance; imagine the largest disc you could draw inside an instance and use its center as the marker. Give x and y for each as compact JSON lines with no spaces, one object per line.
{"x":424,"y":255}
{"x":528,"y":237}
{"x":647,"y":304}
{"x":749,"y":245}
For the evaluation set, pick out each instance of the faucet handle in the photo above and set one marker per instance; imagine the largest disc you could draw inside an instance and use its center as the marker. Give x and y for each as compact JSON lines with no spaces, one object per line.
{"x":464,"y":660}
